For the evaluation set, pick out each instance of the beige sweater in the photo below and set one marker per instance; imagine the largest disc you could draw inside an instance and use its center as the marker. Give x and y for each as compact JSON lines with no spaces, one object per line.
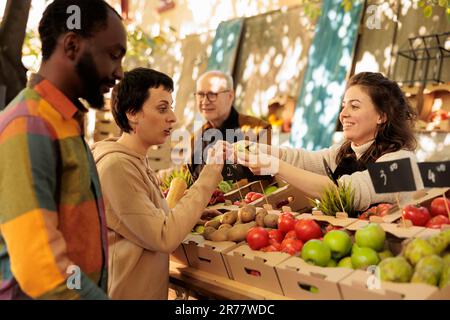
{"x":364,"y":191}
{"x":142,"y":230}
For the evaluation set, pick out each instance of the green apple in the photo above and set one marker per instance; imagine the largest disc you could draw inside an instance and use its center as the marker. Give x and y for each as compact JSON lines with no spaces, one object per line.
{"x":385,"y":254}
{"x":316,"y":252}
{"x":332,"y":263}
{"x":446,"y":258}
{"x":395,"y":269}
{"x":345,"y":263}
{"x":270,"y":189}
{"x":371,"y":236}
{"x":417,"y":249}
{"x":364,"y":257}
{"x":339,"y":243}
{"x":199,"y":229}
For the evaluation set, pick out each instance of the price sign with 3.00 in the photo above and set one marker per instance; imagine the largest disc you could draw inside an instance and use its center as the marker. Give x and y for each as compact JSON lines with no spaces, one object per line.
{"x":392,"y":176}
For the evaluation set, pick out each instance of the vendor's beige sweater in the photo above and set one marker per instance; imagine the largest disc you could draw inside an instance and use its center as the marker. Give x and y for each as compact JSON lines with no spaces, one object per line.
{"x":364,"y":191}
{"x":142,"y":230}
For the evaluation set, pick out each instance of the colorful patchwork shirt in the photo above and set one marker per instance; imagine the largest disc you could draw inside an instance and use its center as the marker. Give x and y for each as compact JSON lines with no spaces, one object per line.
{"x":53,"y":241}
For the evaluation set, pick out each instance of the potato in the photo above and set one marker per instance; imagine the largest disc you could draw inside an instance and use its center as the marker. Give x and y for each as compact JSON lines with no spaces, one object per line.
{"x":208,"y":232}
{"x":230,"y":217}
{"x":212,"y":223}
{"x":271,"y":220}
{"x":225,"y":226}
{"x":220,"y":235}
{"x":247,"y":213}
{"x":260,"y":217}
{"x":238,"y":232}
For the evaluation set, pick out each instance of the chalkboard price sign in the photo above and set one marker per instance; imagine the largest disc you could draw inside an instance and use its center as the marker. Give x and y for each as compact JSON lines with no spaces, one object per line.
{"x":435,"y":174}
{"x":392,"y":176}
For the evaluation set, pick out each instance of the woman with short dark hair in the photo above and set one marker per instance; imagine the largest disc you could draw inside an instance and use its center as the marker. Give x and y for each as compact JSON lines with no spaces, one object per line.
{"x":142,"y":230}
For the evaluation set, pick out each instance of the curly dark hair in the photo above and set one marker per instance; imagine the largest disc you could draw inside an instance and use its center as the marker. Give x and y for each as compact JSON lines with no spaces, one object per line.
{"x":94,"y":17}
{"x":129,"y":95}
{"x":397,"y":132}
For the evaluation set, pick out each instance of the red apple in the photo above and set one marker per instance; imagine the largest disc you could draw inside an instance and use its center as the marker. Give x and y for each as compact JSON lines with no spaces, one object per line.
{"x":437,"y":221}
{"x":418,"y":215}
{"x":438,"y":206}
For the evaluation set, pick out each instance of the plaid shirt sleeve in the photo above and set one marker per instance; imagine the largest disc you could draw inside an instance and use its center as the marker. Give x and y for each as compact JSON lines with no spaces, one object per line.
{"x":29,"y":213}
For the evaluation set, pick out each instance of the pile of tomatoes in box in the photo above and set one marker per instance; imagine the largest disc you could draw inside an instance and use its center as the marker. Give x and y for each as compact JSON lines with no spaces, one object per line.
{"x":433,"y":217}
{"x":249,"y":198}
{"x":289,"y":237}
{"x":380,"y":210}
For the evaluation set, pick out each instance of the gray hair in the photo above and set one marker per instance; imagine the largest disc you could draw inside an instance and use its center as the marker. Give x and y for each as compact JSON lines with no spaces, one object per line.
{"x":218,"y":73}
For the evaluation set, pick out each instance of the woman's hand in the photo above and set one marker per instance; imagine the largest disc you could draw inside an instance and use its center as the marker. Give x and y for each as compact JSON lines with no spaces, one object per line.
{"x":218,"y":154}
{"x":257,"y":157}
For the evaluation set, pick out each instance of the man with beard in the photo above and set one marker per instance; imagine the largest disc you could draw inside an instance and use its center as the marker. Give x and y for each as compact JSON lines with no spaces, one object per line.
{"x":53,"y":232}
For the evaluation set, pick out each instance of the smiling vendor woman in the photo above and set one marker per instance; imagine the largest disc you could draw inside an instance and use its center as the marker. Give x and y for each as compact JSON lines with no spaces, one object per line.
{"x":378,"y":126}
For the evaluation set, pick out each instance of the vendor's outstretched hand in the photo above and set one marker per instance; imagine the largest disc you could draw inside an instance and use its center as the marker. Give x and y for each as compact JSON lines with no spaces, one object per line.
{"x":257,"y":157}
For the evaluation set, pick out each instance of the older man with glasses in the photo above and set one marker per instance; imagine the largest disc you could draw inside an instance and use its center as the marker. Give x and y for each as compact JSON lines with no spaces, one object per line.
{"x":214,"y":97}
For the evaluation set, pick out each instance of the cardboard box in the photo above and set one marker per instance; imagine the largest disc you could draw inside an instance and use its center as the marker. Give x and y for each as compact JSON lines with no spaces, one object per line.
{"x":422,"y":197}
{"x":427,"y":232}
{"x":362,"y":285}
{"x":393,"y":229}
{"x":256,"y":268}
{"x":339,"y":221}
{"x":208,"y":255}
{"x":297,"y":278}
{"x":285,"y":196}
{"x":239,"y":193}
{"x":179,"y":256}
{"x":223,"y":207}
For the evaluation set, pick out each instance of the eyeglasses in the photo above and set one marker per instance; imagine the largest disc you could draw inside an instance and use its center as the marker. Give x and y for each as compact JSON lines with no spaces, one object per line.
{"x":212,"y":96}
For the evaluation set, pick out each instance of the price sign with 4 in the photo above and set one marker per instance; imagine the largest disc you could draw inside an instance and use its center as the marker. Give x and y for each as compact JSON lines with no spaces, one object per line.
{"x":435,"y":174}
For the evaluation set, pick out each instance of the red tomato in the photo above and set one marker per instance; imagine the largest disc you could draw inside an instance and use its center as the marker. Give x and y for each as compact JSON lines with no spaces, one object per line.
{"x":307,"y":229}
{"x":257,"y":238}
{"x":275,"y":247}
{"x":369,"y":212}
{"x":291,"y":246}
{"x":383,"y":209}
{"x":256,"y":196}
{"x":438,"y":207}
{"x":287,"y":214}
{"x":275,"y":235}
{"x":249,"y":195}
{"x":436,"y":222}
{"x":286,"y":224}
{"x":363,"y":216}
{"x":418,"y":215}
{"x":291,"y":235}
